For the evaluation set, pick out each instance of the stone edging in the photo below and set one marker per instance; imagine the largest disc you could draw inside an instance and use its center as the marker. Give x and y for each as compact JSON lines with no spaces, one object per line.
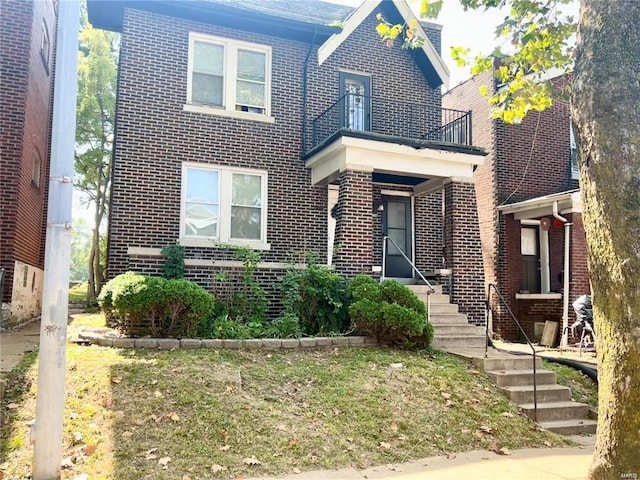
{"x":251,"y":344}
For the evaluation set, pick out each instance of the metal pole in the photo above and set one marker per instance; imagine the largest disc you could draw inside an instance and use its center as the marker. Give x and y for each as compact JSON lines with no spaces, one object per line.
{"x":47,"y":430}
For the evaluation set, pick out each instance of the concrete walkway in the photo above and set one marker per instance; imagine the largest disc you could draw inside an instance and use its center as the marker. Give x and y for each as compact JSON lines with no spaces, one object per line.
{"x":529,"y":464}
{"x":14,"y":344}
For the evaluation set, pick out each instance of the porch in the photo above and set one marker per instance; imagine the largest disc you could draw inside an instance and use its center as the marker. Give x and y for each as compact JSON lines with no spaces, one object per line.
{"x":403,"y":171}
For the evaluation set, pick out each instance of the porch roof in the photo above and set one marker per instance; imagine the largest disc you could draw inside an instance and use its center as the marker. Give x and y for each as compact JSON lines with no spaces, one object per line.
{"x":568,"y":202}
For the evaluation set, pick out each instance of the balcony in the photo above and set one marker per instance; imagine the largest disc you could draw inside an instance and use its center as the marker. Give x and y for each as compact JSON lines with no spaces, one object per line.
{"x":417,"y":143}
{"x":391,"y":121}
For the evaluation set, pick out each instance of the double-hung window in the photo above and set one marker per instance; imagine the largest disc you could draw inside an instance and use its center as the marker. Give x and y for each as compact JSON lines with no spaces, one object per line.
{"x":229,"y":75}
{"x":222,"y":204}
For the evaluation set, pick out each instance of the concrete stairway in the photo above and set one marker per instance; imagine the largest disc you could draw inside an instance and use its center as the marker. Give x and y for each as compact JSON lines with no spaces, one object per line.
{"x":513,"y":374}
{"x":451,"y":328}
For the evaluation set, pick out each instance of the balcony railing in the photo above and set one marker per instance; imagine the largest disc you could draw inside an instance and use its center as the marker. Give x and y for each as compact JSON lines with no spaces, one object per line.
{"x":389,"y":118}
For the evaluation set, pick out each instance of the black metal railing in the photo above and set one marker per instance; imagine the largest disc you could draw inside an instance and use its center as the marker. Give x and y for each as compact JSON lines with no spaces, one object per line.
{"x":524,"y":335}
{"x":381,"y":116}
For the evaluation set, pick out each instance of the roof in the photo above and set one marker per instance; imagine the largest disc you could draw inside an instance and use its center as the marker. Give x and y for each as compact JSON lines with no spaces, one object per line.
{"x":567,"y":202}
{"x":308,"y":11}
{"x":427,"y":57}
{"x":298,"y":19}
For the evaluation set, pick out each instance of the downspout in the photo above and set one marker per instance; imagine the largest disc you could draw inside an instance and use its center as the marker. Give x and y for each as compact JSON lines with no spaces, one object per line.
{"x":305,"y":75}
{"x":565,"y":289}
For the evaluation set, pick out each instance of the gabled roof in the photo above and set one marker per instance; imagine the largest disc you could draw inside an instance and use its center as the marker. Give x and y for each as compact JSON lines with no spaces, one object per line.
{"x":435,"y":68}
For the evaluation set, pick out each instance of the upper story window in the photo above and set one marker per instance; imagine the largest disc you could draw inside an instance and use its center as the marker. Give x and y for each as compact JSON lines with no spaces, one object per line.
{"x":223,"y":204}
{"x":229,"y":75}
{"x":45,"y":46}
{"x":575,"y":167}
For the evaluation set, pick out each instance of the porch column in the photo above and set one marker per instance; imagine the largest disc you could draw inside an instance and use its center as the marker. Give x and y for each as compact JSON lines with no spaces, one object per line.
{"x":462,"y":248}
{"x":353,"y":243}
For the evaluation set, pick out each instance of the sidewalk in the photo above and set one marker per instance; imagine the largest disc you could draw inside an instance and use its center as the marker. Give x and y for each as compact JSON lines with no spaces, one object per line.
{"x":529,"y":464}
{"x":13,"y":346}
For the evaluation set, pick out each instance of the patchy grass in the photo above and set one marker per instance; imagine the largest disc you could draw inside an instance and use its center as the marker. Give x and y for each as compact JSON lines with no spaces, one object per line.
{"x":219,"y":414}
{"x":78,"y":293}
{"x":582,"y":387}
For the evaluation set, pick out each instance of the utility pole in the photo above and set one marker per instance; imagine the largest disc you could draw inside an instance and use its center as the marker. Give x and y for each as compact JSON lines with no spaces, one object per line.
{"x":47,"y":430}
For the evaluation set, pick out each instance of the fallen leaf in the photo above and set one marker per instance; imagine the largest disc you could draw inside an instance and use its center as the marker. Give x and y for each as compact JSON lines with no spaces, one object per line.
{"x":475,"y":400}
{"x":547,"y":443}
{"x":507,"y":414}
{"x":224,"y":448}
{"x":66,"y":463}
{"x":151,"y":454}
{"x":349,"y":439}
{"x":281,"y":427}
{"x":293,"y":443}
{"x":116,"y":379}
{"x":186,"y":477}
{"x":451,"y":456}
{"x":478,"y":434}
{"x":337,"y":411}
{"x":225,"y":436}
{"x":251,"y":461}
{"x":106,"y":401}
{"x":306,"y":404}
{"x":315,"y":421}
{"x":173,"y":416}
{"x":82,"y":476}
{"x":77,"y":438}
{"x":89,"y":450}
{"x":393,"y":468}
{"x":487,"y":429}
{"x":127,"y":434}
{"x":504,"y":451}
{"x":157,"y":394}
{"x":296,"y":471}
{"x":445,"y":395}
{"x":13,"y":406}
{"x":384,"y":445}
{"x":393,"y":427}
{"x":164,"y":462}
{"x":217,"y":468}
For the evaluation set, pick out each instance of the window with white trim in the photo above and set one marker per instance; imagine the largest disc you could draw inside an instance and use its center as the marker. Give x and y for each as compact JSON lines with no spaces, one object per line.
{"x":45,"y":46}
{"x":36,"y":166}
{"x":229,"y":74}
{"x":224,"y":204}
{"x":575,"y":167}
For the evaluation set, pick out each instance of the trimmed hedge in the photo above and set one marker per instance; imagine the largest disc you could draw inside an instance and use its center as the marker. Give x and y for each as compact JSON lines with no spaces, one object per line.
{"x":137,"y":305}
{"x":389,"y":311}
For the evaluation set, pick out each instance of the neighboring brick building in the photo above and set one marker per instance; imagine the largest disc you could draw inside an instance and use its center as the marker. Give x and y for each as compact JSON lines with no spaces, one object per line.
{"x":256,"y":124}
{"x":529,"y":168}
{"x":27,"y":33}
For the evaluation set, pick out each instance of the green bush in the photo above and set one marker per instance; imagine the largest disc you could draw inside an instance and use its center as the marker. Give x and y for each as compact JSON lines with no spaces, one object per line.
{"x":318,"y":298}
{"x":227,"y":328}
{"x":389,"y":311}
{"x":287,"y":326}
{"x":174,"y":266}
{"x":138,"y":305}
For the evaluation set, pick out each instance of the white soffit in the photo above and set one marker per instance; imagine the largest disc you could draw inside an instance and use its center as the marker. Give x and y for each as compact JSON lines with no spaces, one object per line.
{"x":361,"y":13}
{"x":347,"y":153}
{"x":568,"y":202}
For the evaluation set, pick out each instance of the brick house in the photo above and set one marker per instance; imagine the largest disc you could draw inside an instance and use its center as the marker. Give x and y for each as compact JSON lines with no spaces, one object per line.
{"x":530,"y":172}
{"x":27,"y":35}
{"x":257,"y":124}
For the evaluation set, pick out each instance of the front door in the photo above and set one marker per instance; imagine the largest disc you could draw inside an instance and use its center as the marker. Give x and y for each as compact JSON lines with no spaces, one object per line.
{"x":396,"y":224}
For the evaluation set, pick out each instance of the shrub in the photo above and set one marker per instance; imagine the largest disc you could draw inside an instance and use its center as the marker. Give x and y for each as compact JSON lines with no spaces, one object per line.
{"x":287,"y":326}
{"x":174,"y":266}
{"x":228,"y":328}
{"x":389,"y":310}
{"x":318,"y":298}
{"x":138,"y":305}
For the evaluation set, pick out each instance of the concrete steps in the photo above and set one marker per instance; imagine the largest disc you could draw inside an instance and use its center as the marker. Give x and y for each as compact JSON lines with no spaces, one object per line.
{"x":556,"y":411}
{"x":451,"y":328}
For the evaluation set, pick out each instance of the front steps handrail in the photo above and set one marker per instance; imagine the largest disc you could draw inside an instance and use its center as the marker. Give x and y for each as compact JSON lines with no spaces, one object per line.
{"x":386,"y":239}
{"x":526,"y":337}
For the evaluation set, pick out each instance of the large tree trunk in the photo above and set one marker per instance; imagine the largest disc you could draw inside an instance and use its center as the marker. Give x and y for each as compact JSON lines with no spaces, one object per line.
{"x":606,"y":109}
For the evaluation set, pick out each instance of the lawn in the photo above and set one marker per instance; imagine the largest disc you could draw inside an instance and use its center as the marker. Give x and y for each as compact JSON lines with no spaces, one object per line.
{"x":195,"y":414}
{"x":583,"y":389}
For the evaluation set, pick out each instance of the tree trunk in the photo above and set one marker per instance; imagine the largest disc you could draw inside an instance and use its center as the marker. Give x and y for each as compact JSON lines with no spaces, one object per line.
{"x":606,"y":110}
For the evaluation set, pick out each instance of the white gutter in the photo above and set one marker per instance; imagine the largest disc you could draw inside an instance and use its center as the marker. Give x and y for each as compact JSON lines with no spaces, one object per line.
{"x":565,"y":289}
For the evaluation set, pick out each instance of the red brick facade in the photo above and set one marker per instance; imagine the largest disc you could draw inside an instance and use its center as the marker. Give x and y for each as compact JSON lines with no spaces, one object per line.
{"x":524,"y":162}
{"x":26,"y":99}
{"x":155,"y":135}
